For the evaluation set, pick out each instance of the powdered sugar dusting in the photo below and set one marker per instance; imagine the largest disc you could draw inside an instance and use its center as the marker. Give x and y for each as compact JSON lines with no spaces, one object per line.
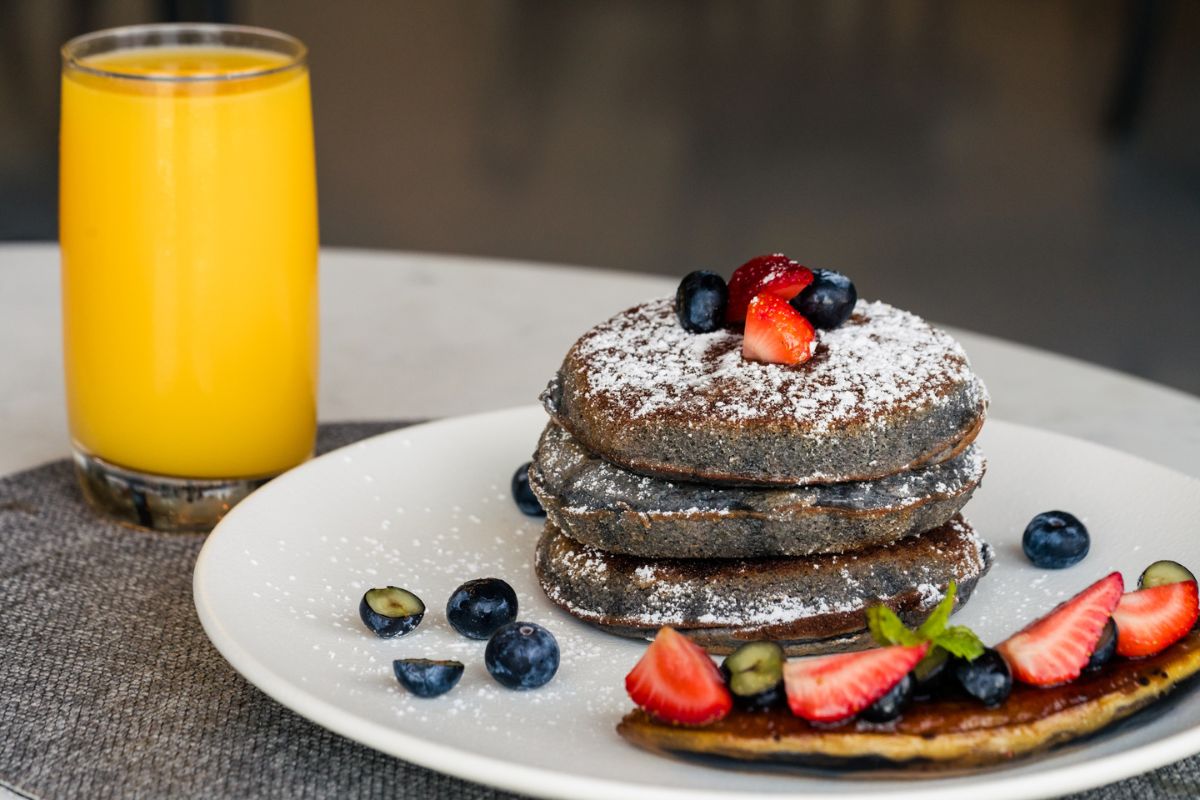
{"x":667,"y":595}
{"x":586,"y":483}
{"x":881,"y":361}
{"x":430,"y":557}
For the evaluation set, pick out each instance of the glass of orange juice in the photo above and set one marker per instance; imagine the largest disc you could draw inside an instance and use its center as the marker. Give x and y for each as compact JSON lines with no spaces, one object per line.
{"x":188,"y":225}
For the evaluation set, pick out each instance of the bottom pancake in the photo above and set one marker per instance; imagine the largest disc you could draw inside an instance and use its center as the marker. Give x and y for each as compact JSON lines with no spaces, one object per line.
{"x":952,"y":733}
{"x":809,"y":605}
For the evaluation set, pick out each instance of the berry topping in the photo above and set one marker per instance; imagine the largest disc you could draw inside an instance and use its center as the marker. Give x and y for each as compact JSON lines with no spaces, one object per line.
{"x":828,"y":301}
{"x":521,"y":655}
{"x":523,"y":495}
{"x":1055,"y":540}
{"x":776,"y":333}
{"x":948,"y":644}
{"x":700,"y":302}
{"x":1106,"y":648}
{"x":426,"y":678}
{"x":987,"y":678}
{"x":477,"y":608}
{"x":676,"y":681}
{"x":892,"y":704}
{"x":1161,"y":572}
{"x":957,"y":640}
{"x":1150,"y":620}
{"x":1056,"y":648}
{"x":391,"y":611}
{"x":833,"y":688}
{"x":774,"y":274}
{"x":754,"y":673}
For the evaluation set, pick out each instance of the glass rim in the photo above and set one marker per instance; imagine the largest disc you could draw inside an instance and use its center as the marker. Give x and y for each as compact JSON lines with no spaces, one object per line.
{"x":296,"y":58}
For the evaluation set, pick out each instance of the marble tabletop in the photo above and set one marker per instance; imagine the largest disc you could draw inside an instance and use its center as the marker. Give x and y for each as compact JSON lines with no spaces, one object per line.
{"x":414,"y":335}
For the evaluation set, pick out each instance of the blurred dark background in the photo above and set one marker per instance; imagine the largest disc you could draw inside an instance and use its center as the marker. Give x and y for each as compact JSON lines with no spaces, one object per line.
{"x":1026,"y":169}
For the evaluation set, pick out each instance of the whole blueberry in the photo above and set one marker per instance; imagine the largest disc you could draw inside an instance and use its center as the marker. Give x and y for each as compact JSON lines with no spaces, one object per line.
{"x":987,"y":678}
{"x":521,"y":655}
{"x":828,"y":301}
{"x":1055,"y":540}
{"x":478,"y":607}
{"x":700,"y":301}
{"x":390,"y":611}
{"x":426,"y":678}
{"x":523,"y":495}
{"x":893,"y":702}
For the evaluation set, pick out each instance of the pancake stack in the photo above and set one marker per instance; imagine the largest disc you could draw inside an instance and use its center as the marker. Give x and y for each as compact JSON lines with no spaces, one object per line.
{"x":733,"y":500}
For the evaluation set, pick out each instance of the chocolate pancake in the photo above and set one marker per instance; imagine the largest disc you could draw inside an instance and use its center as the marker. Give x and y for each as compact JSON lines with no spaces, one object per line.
{"x":809,"y":605}
{"x":883,"y":393}
{"x":613,"y":509}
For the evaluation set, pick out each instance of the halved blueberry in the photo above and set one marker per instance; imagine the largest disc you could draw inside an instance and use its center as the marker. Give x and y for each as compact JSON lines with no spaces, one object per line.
{"x":426,"y":678}
{"x":391,"y":611}
{"x":754,"y":674}
{"x":1164,"y":572}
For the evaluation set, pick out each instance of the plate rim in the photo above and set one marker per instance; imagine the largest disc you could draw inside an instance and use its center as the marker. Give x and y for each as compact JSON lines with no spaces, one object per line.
{"x":549,"y":783}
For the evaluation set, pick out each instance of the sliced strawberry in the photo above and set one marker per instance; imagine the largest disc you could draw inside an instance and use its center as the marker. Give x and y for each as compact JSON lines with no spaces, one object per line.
{"x":775,"y":274}
{"x":776,"y":332}
{"x":1056,"y":648}
{"x":1151,"y":620}
{"x":832,"y":688}
{"x":676,"y":681}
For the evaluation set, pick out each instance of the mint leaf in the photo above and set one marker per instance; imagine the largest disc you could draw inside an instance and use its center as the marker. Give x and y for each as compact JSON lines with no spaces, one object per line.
{"x":961,"y":641}
{"x":884,"y":625}
{"x":888,"y":629}
{"x":933,"y":660}
{"x":935,"y":623}
{"x":958,"y":640}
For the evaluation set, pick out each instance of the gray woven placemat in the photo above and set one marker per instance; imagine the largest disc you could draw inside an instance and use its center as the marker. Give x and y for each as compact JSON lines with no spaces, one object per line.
{"x":109,"y":688}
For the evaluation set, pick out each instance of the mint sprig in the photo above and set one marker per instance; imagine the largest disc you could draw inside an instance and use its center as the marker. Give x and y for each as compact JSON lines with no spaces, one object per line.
{"x":957,"y":640}
{"x":888,"y":629}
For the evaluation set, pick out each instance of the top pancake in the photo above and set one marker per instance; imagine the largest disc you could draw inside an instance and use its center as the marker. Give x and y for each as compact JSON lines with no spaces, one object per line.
{"x":883,"y":393}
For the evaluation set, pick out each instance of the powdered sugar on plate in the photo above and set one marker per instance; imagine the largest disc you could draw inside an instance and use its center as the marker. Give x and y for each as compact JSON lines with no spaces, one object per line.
{"x":431,"y":479}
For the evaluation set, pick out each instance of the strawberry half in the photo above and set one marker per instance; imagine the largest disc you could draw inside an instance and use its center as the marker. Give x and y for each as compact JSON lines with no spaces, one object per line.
{"x":1151,"y":620}
{"x":1056,"y":648}
{"x":832,"y":688}
{"x":775,"y":274}
{"x":676,"y":681}
{"x":776,"y":332}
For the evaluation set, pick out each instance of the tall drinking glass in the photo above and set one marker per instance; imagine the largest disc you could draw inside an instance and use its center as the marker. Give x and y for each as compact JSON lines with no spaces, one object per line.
{"x":188,"y":224}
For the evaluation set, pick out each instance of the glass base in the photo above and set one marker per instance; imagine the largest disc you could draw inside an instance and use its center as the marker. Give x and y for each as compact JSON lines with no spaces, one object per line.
{"x":159,"y":502}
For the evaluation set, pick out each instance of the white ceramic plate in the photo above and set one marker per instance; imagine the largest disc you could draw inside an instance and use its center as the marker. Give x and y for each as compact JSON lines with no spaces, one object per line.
{"x":278,"y":583}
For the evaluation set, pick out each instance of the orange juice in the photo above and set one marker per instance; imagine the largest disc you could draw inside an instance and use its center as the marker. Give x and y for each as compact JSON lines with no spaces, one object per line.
{"x":188,"y":223}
